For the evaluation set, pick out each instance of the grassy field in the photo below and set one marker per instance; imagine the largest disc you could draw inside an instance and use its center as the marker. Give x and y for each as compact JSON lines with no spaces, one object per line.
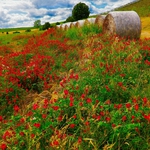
{"x":142,"y":7}
{"x":74,"y":90}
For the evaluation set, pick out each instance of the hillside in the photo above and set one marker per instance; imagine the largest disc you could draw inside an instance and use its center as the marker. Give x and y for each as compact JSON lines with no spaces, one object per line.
{"x":142,"y":7}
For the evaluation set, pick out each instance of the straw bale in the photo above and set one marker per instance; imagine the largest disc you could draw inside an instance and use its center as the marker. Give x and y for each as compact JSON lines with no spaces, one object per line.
{"x":92,"y":20}
{"x":100,"y":19}
{"x":61,"y":26}
{"x":67,"y":26}
{"x":125,"y":24}
{"x":72,"y":24}
{"x":79,"y":23}
{"x":58,"y":26}
{"x":86,"y":22}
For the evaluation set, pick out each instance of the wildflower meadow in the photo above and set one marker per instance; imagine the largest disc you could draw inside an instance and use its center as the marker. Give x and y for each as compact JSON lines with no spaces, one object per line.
{"x":75,"y":90}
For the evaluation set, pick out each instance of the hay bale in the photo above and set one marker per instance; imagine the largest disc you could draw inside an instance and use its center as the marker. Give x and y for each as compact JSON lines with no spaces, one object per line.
{"x":58,"y":26}
{"x":66,"y":26}
{"x":72,"y":24}
{"x":125,"y":24}
{"x":61,"y":27}
{"x":91,"y":20}
{"x":79,"y":23}
{"x":86,"y":22}
{"x":99,"y":20}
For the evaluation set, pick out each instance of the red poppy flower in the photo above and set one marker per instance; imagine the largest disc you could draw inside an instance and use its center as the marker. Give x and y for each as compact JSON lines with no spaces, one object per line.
{"x":88,"y":100}
{"x":107,"y":119}
{"x":6,"y":135}
{"x":35,"y":106}
{"x":1,"y":118}
{"x":55,"y":107}
{"x":32,"y":135}
{"x":55,"y":143}
{"x":3,"y":146}
{"x":87,"y":123}
{"x":66,"y":92}
{"x":71,"y":104}
{"x":16,"y":108}
{"x":21,"y":133}
{"x":124,"y":118}
{"x":79,"y":140}
{"x":128,"y":105}
{"x":120,"y":84}
{"x":72,"y":125}
{"x":147,"y":117}
{"x":74,"y":116}
{"x":37,"y":125}
{"x":60,"y":118}
{"x":145,"y":100}
{"x":136,"y":107}
{"x":44,"y":116}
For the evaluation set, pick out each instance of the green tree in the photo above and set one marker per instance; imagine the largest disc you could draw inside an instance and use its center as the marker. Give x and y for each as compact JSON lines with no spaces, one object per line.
{"x":37,"y":23}
{"x":46,"y":26}
{"x":80,"y":11}
{"x":70,"y":19}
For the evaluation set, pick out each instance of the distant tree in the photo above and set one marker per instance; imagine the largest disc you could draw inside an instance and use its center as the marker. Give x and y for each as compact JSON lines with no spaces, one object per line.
{"x":70,"y":19}
{"x":57,"y":23}
{"x":80,"y":11}
{"x":46,"y":26}
{"x":37,"y":23}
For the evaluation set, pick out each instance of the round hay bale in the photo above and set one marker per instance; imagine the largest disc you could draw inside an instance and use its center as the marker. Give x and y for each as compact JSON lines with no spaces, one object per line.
{"x":61,"y":27}
{"x":66,"y":26}
{"x":58,"y":26}
{"x":125,"y":24}
{"x":86,"y":22}
{"x":100,"y":19}
{"x":92,"y":20}
{"x":72,"y":24}
{"x":79,"y":23}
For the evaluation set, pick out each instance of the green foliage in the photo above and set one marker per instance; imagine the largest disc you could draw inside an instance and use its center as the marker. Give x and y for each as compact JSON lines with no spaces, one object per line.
{"x":37,"y":23}
{"x":75,"y":33}
{"x":70,"y":19}
{"x":80,"y":11}
{"x":46,"y":26}
{"x":57,"y":23}
{"x":28,"y":30}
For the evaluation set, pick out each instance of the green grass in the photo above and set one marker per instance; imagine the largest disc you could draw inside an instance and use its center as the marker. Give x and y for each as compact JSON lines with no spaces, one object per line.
{"x":142,"y":7}
{"x":15,"y":29}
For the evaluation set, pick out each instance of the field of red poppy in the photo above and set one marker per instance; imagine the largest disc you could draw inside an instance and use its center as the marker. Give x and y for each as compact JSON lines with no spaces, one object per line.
{"x":75,"y":90}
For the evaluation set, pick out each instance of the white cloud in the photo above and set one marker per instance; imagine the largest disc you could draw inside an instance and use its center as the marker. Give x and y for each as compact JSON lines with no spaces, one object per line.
{"x":19,"y":13}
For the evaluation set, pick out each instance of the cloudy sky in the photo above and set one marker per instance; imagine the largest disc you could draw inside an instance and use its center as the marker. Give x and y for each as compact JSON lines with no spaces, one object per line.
{"x":23,"y":13}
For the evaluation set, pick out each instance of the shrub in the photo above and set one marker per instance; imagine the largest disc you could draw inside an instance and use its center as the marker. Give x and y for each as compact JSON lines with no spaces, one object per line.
{"x":28,"y":30}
